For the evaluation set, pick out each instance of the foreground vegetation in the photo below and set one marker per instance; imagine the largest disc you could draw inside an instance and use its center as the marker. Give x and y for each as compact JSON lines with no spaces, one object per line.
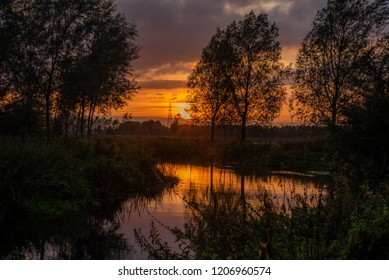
{"x":304,"y":227}
{"x":71,"y":180}
{"x":64,"y":197}
{"x":70,"y":176}
{"x":287,"y":154}
{"x":348,"y":219}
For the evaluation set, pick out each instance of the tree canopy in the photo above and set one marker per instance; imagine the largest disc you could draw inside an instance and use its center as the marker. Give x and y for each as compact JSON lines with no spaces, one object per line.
{"x":66,"y":55}
{"x":240,"y":69}
{"x":209,"y":86}
{"x":328,"y":57}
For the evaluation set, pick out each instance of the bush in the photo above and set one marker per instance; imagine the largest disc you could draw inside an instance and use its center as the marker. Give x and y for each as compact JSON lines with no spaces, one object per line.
{"x":42,"y":179}
{"x":70,"y":176}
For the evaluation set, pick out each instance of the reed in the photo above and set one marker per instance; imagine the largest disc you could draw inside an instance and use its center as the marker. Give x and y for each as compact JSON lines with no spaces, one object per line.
{"x":69,"y":176}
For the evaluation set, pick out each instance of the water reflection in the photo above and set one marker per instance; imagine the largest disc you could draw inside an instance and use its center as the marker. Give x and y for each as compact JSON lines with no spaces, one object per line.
{"x":81,"y":236}
{"x":219,"y":192}
{"x":93,"y":234}
{"x":107,"y":232}
{"x":199,"y":182}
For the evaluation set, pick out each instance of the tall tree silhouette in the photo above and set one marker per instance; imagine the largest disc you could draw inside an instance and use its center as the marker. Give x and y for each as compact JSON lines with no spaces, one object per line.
{"x":255,"y":74}
{"x":49,"y":30}
{"x":59,"y":38}
{"x":364,"y":141}
{"x":208,"y":83}
{"x":99,"y":78}
{"x":241,"y":69}
{"x":328,"y":58}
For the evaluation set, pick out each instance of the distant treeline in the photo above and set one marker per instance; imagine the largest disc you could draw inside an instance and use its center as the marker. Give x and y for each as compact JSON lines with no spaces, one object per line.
{"x":230,"y":132}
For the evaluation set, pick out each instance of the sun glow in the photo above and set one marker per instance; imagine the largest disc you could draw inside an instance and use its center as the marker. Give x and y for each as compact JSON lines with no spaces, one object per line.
{"x":165,"y":86}
{"x":154,"y":104}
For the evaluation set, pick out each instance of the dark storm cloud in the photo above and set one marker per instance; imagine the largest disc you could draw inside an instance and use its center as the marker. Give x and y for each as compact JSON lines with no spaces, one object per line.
{"x":173,"y":32}
{"x":294,"y":25}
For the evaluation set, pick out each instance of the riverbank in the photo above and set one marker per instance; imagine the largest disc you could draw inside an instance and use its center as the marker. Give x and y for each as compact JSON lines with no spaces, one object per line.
{"x":69,"y":176}
{"x":78,"y":187}
{"x":286,"y":154}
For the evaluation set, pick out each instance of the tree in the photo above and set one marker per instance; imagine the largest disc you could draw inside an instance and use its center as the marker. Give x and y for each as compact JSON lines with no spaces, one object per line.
{"x":240,"y":69}
{"x":174,"y":125}
{"x":371,"y":76}
{"x":209,"y":85}
{"x":255,"y":72}
{"x":68,"y":54}
{"x":328,"y":58}
{"x":47,"y":35}
{"x":100,"y":78}
{"x":4,"y":45}
{"x":363,"y":142}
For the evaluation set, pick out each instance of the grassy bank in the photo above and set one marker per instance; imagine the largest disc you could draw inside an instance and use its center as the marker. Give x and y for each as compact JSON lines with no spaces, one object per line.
{"x":70,"y":176}
{"x":291,"y":154}
{"x":60,"y":184}
{"x":304,"y":226}
{"x":67,"y":176}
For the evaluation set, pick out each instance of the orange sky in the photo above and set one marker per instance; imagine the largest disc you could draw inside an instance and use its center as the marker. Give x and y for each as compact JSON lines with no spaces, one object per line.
{"x":153,"y":103}
{"x":172,"y":34}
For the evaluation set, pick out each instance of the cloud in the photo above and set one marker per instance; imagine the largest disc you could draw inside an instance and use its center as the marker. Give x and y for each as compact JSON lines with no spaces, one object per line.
{"x":168,"y":71}
{"x":243,"y":7}
{"x":172,"y":33}
{"x":298,"y":22}
{"x":163,"y":84}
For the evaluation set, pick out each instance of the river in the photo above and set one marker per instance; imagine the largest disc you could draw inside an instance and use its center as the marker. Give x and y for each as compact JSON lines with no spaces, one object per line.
{"x":111,"y":235}
{"x":196,"y":184}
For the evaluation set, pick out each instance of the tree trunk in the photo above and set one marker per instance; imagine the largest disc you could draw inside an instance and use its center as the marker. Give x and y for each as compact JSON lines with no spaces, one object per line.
{"x":82,"y":115}
{"x":212,"y":130}
{"x":78,"y":122}
{"x":243,"y":135}
{"x":47,"y":118}
{"x":91,"y":119}
{"x":67,"y":115}
{"x":333,"y":116}
{"x":89,"y":126}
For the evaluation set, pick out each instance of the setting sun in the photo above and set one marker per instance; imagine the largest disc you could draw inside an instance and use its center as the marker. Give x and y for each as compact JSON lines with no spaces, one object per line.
{"x":154,"y":104}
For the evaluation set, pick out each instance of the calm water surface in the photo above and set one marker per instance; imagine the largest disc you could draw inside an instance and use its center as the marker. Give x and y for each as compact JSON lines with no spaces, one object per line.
{"x":110,"y":234}
{"x":196,"y":184}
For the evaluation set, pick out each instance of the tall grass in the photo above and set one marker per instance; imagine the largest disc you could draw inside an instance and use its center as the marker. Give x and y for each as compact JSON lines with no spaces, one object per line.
{"x":292,"y":154}
{"x":70,"y":176}
{"x":304,"y":226}
{"x":225,"y":226}
{"x":41,"y":179}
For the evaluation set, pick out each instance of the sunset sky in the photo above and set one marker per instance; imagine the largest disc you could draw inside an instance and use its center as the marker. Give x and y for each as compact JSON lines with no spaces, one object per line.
{"x":172,"y":34}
